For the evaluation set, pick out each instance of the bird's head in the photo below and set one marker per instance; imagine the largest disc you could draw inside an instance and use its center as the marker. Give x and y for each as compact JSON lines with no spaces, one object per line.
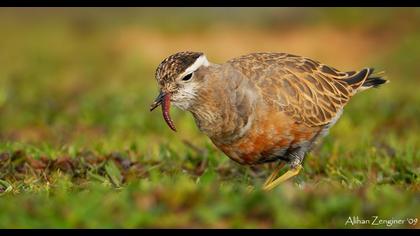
{"x":177,"y":83}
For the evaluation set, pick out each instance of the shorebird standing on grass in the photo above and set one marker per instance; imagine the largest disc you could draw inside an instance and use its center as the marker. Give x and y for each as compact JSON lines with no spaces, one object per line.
{"x":260,"y":107}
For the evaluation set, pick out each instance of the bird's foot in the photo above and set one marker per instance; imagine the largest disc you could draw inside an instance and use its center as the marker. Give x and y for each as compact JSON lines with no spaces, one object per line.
{"x":274,"y":174}
{"x":271,"y":182}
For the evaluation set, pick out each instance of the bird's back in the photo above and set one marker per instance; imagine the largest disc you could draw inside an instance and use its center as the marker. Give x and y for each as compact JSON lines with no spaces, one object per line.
{"x":307,"y":90}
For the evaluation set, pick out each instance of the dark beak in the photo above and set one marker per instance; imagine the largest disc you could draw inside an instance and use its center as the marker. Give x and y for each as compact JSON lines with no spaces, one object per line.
{"x":158,"y":101}
{"x":164,"y":99}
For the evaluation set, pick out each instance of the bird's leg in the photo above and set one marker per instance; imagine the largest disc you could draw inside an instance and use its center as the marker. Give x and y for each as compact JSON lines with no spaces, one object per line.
{"x":289,"y":174}
{"x":296,"y":167}
{"x":274,"y":174}
{"x":270,"y":178}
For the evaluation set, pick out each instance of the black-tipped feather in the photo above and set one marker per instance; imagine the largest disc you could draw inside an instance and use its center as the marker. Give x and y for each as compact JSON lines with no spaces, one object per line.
{"x":356,"y":78}
{"x":374,"y":82}
{"x":360,"y":76}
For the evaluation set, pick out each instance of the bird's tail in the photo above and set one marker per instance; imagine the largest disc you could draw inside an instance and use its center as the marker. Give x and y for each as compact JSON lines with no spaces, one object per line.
{"x":374,"y":80}
{"x":365,"y":79}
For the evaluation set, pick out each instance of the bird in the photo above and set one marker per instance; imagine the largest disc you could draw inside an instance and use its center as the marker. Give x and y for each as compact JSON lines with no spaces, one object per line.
{"x":261,"y":107}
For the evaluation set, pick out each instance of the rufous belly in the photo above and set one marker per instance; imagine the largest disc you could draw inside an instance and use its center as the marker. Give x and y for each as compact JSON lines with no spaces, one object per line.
{"x":268,"y":139}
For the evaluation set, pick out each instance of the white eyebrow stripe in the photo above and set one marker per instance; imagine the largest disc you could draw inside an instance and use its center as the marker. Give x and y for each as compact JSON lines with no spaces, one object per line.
{"x":201,"y":61}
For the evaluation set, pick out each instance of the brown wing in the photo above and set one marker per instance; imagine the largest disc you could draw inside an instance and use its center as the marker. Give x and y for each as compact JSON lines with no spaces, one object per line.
{"x":307,"y":90}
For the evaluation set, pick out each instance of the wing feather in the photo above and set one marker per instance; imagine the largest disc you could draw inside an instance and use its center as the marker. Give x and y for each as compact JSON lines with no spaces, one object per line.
{"x":307,"y":90}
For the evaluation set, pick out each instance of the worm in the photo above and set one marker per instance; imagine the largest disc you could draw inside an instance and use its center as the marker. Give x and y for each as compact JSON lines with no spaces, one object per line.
{"x":165,"y":111}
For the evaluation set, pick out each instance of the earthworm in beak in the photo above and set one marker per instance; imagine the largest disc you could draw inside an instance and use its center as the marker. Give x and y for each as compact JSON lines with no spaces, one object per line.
{"x":164,"y":99}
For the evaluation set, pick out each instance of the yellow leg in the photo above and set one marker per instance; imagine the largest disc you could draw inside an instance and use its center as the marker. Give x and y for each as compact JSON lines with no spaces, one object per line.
{"x":289,"y":174}
{"x":270,"y":178}
{"x":274,"y":174}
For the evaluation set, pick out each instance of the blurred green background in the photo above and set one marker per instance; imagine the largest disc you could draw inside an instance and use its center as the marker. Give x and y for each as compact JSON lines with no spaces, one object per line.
{"x":79,"y":147}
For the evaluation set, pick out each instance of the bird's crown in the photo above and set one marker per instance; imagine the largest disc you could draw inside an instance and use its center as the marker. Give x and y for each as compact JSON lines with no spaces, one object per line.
{"x":175,"y":65}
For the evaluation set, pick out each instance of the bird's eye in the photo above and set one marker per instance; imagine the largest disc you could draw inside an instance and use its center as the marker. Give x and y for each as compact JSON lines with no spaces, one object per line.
{"x":187,"y":77}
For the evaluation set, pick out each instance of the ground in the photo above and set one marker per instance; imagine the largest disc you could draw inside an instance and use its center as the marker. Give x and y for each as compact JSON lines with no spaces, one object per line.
{"x":79,"y":148}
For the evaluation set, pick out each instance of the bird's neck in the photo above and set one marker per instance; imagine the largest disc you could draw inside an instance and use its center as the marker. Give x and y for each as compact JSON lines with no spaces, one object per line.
{"x":222,"y":109}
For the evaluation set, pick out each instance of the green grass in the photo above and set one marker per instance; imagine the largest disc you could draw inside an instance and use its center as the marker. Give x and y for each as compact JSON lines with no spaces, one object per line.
{"x":79,"y":148}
